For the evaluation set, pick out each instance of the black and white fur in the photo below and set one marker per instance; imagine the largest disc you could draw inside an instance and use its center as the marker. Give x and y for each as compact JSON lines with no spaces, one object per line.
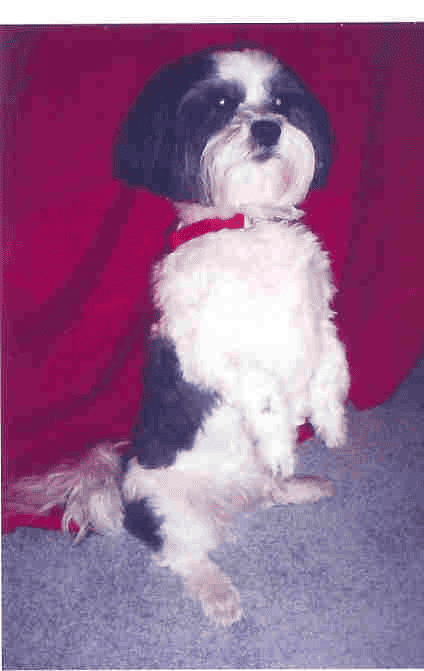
{"x":245,"y":347}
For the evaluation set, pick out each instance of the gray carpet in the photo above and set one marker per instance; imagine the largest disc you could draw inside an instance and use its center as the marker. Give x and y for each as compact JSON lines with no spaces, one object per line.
{"x":336,"y":583}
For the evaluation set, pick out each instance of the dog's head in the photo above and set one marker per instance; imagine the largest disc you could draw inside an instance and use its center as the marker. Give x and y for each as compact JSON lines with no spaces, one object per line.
{"x":232,"y":129}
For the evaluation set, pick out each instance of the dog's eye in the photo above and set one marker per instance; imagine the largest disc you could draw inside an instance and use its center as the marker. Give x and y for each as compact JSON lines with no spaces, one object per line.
{"x":280,"y":104}
{"x":221,"y":102}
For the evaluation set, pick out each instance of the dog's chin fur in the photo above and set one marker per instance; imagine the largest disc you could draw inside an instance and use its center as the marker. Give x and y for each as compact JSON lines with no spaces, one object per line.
{"x":244,"y":351}
{"x":238,"y":178}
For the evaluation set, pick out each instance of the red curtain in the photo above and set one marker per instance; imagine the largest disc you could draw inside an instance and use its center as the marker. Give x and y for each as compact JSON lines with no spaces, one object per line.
{"x":77,"y":245}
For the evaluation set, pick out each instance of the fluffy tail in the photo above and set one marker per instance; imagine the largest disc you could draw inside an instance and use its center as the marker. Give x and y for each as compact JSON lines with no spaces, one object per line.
{"x":89,"y":492}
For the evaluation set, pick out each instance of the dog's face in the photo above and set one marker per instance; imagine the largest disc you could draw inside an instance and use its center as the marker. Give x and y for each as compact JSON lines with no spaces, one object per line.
{"x":232,"y":129}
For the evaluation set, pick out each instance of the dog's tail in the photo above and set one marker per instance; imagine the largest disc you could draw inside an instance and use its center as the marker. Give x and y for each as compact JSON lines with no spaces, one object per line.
{"x":89,"y":492}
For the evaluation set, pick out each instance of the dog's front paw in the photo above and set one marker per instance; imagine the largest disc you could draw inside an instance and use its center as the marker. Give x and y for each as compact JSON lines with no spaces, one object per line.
{"x":280,"y":461}
{"x":333,"y":428}
{"x":219,"y":598}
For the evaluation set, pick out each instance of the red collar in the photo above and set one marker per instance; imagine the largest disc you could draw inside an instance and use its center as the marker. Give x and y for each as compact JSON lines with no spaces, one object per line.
{"x":187,"y":233}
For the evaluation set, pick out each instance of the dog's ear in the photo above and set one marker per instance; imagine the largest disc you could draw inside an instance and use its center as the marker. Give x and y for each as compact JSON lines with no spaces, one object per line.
{"x":145,"y":153}
{"x":318,"y":128}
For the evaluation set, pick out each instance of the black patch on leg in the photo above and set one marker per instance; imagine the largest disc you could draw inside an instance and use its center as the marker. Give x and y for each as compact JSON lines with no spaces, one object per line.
{"x":141,"y":522}
{"x":172,"y":411}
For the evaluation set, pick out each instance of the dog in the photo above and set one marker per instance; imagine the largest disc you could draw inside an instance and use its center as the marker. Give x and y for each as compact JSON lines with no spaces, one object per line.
{"x":245,"y":347}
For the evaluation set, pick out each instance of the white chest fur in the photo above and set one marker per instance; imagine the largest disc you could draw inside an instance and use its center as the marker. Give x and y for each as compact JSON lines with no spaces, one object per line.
{"x":237,"y":298}
{"x":249,"y":314}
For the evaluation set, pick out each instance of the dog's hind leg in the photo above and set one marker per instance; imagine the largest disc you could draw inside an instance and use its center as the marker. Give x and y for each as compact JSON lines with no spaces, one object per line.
{"x":189,"y":530}
{"x":188,"y":540}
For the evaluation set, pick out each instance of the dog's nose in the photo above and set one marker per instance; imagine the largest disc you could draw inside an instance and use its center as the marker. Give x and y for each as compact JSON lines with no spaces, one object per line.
{"x":265,"y":132}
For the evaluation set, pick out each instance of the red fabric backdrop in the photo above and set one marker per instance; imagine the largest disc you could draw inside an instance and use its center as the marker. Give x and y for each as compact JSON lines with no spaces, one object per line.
{"x":78,"y":245}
